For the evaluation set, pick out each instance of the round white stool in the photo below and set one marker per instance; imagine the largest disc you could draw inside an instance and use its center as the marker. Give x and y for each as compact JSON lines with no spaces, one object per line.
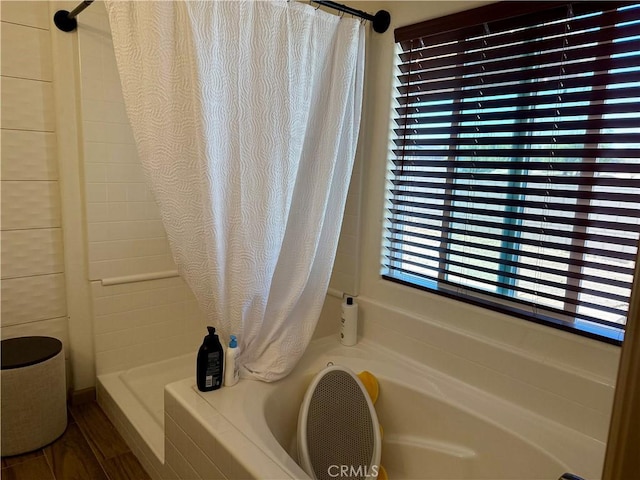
{"x":33,"y":400}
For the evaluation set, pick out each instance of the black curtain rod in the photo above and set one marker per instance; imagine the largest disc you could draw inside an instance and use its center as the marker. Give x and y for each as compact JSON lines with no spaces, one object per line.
{"x":66,"y":21}
{"x":380,"y":20}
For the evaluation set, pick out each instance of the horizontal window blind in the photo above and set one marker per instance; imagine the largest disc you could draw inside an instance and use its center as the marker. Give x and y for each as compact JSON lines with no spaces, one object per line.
{"x":515,"y":163}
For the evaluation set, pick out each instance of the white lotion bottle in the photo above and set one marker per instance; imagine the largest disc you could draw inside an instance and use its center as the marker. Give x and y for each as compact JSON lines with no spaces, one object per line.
{"x":231,"y":372}
{"x":349,"y":322}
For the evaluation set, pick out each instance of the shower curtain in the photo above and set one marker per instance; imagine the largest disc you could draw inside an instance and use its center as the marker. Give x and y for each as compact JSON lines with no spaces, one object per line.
{"x":246,"y":117}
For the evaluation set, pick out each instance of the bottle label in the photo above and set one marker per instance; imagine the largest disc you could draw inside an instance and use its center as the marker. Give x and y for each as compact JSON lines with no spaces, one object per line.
{"x":213,"y":374}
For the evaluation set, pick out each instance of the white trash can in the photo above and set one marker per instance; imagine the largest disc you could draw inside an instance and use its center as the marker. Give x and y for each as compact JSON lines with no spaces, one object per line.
{"x":33,"y":393}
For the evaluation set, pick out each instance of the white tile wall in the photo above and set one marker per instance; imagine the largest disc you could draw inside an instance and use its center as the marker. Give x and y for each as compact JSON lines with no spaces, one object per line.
{"x":30,"y":204}
{"x":30,"y":52}
{"x":126,"y":236}
{"x":33,"y":287}
{"x":33,"y":14}
{"x":134,"y":323}
{"x":33,"y":298}
{"x":144,"y":322}
{"x":27,"y":104}
{"x":31,"y":252}
{"x":29,"y":155}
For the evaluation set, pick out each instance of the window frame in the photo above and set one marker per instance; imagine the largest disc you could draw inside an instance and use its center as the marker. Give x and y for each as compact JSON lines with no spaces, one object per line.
{"x":487,"y":299}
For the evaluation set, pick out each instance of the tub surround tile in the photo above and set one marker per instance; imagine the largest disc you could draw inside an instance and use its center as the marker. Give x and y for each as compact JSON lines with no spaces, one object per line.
{"x":142,"y":354}
{"x":132,"y":319}
{"x":191,"y":452}
{"x":219,"y":441}
{"x":136,"y":323}
{"x":139,"y":335}
{"x":178,"y":463}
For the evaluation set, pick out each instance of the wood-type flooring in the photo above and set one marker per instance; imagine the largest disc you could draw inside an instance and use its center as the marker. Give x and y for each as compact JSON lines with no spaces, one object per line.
{"x":89,"y":449}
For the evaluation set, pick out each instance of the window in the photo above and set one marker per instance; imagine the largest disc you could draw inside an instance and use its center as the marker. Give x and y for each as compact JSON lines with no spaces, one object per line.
{"x":514,"y":179}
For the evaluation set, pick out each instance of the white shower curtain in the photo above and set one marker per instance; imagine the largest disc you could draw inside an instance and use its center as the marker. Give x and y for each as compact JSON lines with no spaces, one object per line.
{"x":246,"y":117}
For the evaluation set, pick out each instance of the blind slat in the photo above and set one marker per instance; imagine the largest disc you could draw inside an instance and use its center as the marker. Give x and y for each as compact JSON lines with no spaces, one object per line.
{"x":463,"y":248}
{"x":515,"y":169}
{"x":497,"y":17}
{"x":509,"y":276}
{"x":547,"y":217}
{"x":500,"y":305}
{"x":512,"y":139}
{"x":426,"y":199}
{"x":553,"y":154}
{"x":592,"y":111}
{"x":417,"y":104}
{"x":617,"y":257}
{"x":497,"y":178}
{"x":568,"y":52}
{"x":521,"y":289}
{"x":520,"y":128}
{"x":546,"y":231}
{"x":545,"y":37}
{"x":428,"y":91}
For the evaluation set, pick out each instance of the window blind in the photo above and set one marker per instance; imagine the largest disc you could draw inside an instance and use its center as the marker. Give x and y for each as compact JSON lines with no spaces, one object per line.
{"x":515,"y":163}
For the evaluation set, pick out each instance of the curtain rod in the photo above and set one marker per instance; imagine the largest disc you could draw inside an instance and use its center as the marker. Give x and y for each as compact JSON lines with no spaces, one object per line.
{"x":380,"y":20}
{"x":66,"y":21}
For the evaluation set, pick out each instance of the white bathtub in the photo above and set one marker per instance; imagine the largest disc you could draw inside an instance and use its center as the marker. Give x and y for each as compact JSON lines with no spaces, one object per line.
{"x":434,"y":426}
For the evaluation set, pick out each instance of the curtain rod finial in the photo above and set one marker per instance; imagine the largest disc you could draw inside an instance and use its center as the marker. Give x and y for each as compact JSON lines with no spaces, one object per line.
{"x":63,"y":22}
{"x":381,"y":21}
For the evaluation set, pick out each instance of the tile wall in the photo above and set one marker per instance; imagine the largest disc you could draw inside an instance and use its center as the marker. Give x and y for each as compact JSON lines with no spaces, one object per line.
{"x":141,"y":321}
{"x":33,"y":281}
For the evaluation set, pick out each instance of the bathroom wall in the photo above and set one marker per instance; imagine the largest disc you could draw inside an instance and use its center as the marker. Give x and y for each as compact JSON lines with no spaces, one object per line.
{"x":33,"y":276}
{"x":559,"y":375}
{"x":135,"y":321}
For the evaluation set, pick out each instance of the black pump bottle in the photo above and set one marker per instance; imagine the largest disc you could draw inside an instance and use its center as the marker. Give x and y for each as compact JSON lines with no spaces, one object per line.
{"x":210,"y":363}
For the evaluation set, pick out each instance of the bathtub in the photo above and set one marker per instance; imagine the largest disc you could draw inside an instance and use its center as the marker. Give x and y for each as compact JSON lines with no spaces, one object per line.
{"x":435,"y":427}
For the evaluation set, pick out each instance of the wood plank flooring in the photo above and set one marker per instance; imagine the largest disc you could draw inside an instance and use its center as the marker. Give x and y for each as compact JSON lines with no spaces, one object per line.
{"x":89,"y":449}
